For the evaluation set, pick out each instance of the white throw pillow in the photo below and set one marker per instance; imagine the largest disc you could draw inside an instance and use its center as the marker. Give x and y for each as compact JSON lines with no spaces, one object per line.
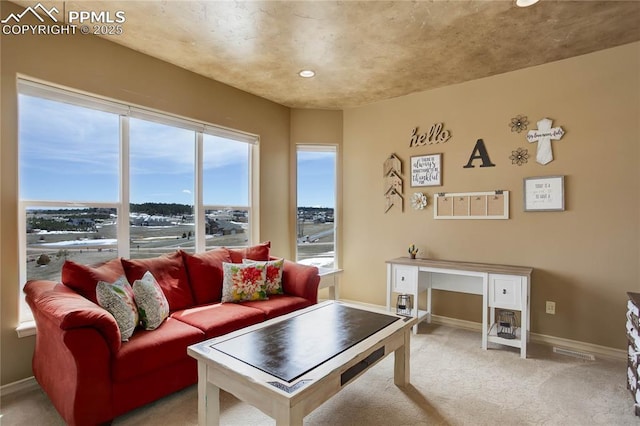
{"x":118,"y":299}
{"x":152,"y":303}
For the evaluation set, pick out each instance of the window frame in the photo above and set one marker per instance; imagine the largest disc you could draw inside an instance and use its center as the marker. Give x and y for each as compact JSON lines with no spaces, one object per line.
{"x":320,"y":147}
{"x":31,"y":87}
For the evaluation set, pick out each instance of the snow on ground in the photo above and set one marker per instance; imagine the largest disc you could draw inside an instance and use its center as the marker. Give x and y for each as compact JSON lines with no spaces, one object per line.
{"x":82,"y":243}
{"x":319,"y":262}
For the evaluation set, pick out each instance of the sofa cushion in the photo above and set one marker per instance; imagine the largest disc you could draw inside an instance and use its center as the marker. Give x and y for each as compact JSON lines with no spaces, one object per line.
{"x":220,"y":318}
{"x":84,"y":278}
{"x":148,"y":351}
{"x":243,"y":282}
{"x":279,"y":305}
{"x":170,"y":273}
{"x":151,"y":302}
{"x":273,"y":274}
{"x":257,"y":252}
{"x":117,"y":299}
{"x":205,"y":274}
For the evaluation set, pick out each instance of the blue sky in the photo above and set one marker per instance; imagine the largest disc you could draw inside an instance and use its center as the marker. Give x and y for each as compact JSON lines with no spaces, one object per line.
{"x":316,"y":179}
{"x":71,"y":153}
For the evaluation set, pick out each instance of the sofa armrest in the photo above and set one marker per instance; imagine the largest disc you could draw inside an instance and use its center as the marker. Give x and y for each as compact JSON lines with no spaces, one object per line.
{"x":75,"y":342}
{"x":301,"y":280}
{"x":68,"y":310}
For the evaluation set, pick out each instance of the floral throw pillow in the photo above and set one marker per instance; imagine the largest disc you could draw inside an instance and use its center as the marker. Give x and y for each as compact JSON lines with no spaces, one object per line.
{"x":243,"y":282}
{"x":273,"y":277}
{"x":118,"y":299}
{"x":153,"y":306}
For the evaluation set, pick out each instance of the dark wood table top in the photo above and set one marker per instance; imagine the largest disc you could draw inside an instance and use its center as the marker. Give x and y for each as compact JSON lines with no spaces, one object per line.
{"x":291,"y":348}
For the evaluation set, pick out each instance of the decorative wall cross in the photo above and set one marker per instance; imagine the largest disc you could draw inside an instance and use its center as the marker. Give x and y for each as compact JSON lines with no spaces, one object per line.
{"x":543,"y":135}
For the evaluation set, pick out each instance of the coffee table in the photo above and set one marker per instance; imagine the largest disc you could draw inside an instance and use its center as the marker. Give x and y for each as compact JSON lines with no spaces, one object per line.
{"x":290,"y":365}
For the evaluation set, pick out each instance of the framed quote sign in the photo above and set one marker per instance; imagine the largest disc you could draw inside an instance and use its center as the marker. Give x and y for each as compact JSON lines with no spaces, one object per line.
{"x":426,"y":170}
{"x":544,"y":194}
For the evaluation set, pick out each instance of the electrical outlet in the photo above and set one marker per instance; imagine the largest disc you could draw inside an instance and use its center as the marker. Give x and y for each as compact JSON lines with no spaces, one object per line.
{"x":551,"y":307}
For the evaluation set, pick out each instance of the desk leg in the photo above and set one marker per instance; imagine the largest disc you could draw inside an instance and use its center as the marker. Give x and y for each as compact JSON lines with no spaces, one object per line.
{"x":524,"y":329}
{"x":525,"y":314}
{"x":402,"y":362}
{"x":485,"y":308}
{"x":415,"y":310}
{"x":429,"y":304}
{"x":208,"y":399}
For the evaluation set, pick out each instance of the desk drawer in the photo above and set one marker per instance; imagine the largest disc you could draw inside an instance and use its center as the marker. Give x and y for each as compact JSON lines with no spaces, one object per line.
{"x":505,"y":291}
{"x":405,"y":279}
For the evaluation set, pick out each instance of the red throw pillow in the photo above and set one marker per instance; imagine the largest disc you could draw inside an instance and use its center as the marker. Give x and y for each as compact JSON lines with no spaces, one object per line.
{"x":84,"y":278}
{"x":205,"y":274}
{"x":257,"y":252}
{"x":170,"y":273}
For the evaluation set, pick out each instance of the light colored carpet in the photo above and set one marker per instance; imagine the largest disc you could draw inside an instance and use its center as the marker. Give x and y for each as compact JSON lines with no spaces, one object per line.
{"x":454,"y":382}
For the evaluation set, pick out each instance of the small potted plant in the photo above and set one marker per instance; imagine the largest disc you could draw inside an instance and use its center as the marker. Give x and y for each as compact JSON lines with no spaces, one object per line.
{"x":413,"y":250}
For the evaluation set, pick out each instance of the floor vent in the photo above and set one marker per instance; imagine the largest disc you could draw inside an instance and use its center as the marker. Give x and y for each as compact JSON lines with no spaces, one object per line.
{"x":575,"y":354}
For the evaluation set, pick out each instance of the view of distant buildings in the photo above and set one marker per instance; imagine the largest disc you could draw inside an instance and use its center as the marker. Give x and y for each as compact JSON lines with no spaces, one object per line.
{"x":90,"y":234}
{"x":218,"y":222}
{"x":315,"y":214}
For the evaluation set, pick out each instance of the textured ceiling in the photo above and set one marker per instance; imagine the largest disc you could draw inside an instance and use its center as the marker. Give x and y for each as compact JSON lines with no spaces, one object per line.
{"x":362,"y":51}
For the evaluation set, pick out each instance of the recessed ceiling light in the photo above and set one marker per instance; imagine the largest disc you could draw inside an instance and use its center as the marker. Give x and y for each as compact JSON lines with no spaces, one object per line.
{"x":526,"y":3}
{"x":307,"y":73}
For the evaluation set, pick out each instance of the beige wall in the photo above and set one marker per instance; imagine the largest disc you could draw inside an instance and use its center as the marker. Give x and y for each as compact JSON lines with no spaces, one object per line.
{"x":585,"y":258}
{"x":100,"y":67}
{"x":316,"y":126}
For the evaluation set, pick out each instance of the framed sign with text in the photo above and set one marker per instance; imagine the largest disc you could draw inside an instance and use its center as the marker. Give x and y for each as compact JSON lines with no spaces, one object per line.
{"x":426,"y":170}
{"x":544,"y":194}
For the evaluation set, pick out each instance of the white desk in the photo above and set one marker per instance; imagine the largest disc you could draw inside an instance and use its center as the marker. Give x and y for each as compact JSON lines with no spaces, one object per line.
{"x":501,"y":286}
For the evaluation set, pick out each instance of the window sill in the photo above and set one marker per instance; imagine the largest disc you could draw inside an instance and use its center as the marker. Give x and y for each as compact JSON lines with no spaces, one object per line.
{"x":324,"y":272}
{"x":27,"y":328}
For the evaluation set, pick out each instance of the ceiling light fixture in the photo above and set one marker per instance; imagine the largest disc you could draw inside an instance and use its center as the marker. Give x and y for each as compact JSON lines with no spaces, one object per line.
{"x":526,"y":3}
{"x":307,"y":73}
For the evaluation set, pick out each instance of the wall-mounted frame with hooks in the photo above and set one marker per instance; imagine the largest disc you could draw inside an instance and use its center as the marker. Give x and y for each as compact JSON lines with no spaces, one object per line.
{"x":471,"y":205}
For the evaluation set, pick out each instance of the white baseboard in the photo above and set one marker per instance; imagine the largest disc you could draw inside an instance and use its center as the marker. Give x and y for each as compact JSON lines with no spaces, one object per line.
{"x":457,"y":323}
{"x":27,"y":384}
{"x":597,"y":350}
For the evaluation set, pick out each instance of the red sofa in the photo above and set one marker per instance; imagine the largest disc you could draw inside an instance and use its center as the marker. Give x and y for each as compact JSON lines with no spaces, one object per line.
{"x":91,"y":377}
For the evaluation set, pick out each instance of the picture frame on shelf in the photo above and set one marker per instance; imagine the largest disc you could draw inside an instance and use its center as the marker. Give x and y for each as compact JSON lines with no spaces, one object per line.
{"x":544,"y":194}
{"x":426,"y":170}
